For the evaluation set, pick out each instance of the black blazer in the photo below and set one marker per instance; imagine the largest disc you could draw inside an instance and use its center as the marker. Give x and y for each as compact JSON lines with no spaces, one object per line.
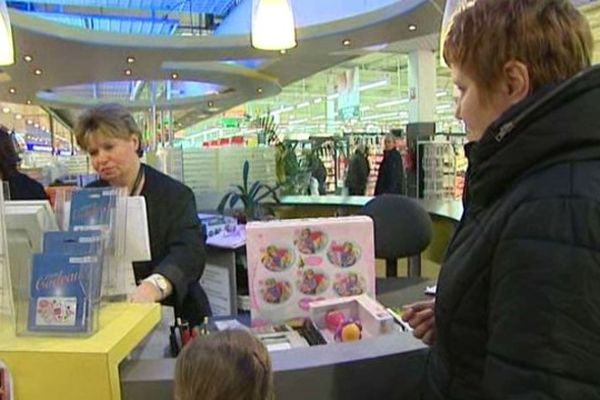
{"x":22,"y":187}
{"x":176,"y":243}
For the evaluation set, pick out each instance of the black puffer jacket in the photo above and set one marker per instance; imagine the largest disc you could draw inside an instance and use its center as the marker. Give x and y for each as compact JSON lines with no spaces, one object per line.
{"x":518,"y":301}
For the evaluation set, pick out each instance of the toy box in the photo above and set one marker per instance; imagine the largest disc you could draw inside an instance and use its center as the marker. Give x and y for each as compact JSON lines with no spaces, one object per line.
{"x":370,"y":314}
{"x":215,"y":224}
{"x":292,"y":263}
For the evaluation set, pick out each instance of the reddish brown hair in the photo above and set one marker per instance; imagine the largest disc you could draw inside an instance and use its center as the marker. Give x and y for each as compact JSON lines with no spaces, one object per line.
{"x":551,"y":37}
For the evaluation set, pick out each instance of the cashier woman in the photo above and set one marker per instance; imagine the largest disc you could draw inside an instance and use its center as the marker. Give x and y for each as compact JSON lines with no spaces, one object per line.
{"x":112,"y":138}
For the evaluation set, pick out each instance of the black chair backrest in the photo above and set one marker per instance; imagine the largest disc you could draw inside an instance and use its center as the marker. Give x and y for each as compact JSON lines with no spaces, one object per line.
{"x":402,"y":227}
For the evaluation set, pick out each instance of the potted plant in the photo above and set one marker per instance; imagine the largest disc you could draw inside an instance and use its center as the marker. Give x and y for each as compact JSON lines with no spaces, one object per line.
{"x":251,"y":196}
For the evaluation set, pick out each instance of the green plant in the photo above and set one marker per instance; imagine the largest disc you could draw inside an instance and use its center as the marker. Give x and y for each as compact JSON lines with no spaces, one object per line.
{"x":251,"y":196}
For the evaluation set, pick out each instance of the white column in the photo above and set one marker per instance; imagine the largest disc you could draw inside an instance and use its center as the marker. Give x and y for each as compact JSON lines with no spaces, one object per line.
{"x":422,"y":83}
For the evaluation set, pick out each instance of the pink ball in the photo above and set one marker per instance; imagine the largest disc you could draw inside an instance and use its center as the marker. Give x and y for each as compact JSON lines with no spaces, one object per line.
{"x":334,"y":319}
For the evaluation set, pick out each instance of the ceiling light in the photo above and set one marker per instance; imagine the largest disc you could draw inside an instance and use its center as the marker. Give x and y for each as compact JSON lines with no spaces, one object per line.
{"x":18,"y":116}
{"x":373,"y":85}
{"x":333,"y":96}
{"x":7,"y":51}
{"x":346,"y":42}
{"x":412,"y":27}
{"x":36,"y":125}
{"x":259,"y":90}
{"x":130,"y":60}
{"x":174,"y":75}
{"x":282,"y":51}
{"x":37,"y":71}
{"x":29,"y":122}
{"x":441,"y":94}
{"x":28,"y":102}
{"x":273,"y":25}
{"x":127,"y":72}
{"x":27,"y":58}
{"x":211,"y":104}
{"x":11,"y":90}
{"x":303,"y":105}
{"x":318,"y":100}
{"x":5,"y":110}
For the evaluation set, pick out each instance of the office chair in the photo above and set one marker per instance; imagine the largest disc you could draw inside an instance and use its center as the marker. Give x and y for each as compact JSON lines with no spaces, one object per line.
{"x":402,"y":229}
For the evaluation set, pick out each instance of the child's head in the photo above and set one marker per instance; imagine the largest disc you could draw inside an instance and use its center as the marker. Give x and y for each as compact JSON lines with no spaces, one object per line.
{"x":231,"y":364}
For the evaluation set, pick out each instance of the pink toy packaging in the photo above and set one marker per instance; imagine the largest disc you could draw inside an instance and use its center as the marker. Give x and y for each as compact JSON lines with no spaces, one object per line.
{"x":292,"y":263}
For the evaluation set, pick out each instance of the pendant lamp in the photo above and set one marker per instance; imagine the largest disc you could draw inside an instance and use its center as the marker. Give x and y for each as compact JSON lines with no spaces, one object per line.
{"x":7,"y":53}
{"x":273,"y":25}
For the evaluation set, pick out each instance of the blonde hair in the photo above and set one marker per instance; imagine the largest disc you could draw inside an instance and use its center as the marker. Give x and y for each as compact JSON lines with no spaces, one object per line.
{"x":550,"y":37}
{"x":226,"y":365}
{"x":112,"y":120}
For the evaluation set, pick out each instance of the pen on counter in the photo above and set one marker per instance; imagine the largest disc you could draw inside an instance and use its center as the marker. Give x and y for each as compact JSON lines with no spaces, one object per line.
{"x":405,"y":326}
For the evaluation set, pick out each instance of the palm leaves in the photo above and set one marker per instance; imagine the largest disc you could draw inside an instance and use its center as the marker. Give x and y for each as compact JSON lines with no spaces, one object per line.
{"x":251,"y":196}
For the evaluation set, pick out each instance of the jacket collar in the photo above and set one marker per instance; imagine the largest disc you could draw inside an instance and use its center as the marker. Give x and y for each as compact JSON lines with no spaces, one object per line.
{"x":558,"y":123}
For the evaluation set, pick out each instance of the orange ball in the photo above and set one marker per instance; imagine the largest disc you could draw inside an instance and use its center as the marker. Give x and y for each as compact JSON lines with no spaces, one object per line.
{"x":350,"y":333}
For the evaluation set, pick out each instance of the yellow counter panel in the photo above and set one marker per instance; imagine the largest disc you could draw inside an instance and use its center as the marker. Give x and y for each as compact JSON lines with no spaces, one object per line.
{"x":52,"y":368}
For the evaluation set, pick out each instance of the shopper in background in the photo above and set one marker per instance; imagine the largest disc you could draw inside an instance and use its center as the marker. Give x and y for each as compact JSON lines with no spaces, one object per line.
{"x":517,"y":310}
{"x":318,"y":171}
{"x":21,"y":186}
{"x":390,"y":178}
{"x":358,"y":172}
{"x":230,"y":364}
{"x":114,"y":142}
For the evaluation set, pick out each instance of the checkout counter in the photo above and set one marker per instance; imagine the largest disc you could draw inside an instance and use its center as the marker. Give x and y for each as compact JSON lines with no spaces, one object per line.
{"x":385,"y":367}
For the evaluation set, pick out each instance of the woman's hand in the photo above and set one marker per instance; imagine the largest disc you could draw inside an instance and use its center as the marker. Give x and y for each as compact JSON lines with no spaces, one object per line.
{"x":421,"y":317}
{"x":145,"y":293}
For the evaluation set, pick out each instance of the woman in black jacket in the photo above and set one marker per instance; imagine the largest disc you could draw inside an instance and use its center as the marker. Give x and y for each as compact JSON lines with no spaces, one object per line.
{"x":390,"y":177}
{"x":517,"y":310}
{"x":21,"y":186}
{"x":113,"y":140}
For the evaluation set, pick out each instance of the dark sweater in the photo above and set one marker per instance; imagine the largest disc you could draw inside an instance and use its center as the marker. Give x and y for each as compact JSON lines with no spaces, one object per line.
{"x":22,"y":187}
{"x":518,"y":300}
{"x":176,"y":243}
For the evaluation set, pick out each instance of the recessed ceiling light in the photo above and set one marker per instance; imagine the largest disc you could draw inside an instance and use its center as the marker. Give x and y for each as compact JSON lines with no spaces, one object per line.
{"x":346,"y":42}
{"x":130,"y":60}
{"x":211,"y":104}
{"x":12,"y":90}
{"x":5,"y":110}
{"x":37,"y":71}
{"x":259,"y":90}
{"x":36,"y":125}
{"x":18,"y":116}
{"x":27,"y":58}
{"x":28,"y":102}
{"x":282,"y":51}
{"x":412,"y":27}
{"x":29,"y":122}
{"x":127,"y":72}
{"x":174,"y":75}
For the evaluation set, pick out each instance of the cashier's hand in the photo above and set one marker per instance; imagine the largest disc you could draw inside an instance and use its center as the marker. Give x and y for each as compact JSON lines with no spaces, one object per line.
{"x":145,"y":293}
{"x":421,"y":318}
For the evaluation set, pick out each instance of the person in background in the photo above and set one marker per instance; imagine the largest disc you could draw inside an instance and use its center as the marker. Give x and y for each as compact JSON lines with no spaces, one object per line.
{"x":358,"y":172}
{"x":21,"y":186}
{"x":230,"y":364}
{"x":390,"y":178}
{"x":317,"y":171}
{"x":113,"y":140}
{"x":517,"y":308}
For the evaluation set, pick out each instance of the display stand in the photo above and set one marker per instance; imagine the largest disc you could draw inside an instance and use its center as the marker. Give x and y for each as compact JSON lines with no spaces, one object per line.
{"x":6,"y":299}
{"x":78,"y":368}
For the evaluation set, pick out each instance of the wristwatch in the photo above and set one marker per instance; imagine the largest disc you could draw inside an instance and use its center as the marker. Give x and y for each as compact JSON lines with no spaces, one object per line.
{"x":159,"y":282}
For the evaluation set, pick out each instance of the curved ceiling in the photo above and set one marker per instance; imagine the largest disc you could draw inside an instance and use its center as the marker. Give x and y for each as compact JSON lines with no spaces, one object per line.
{"x":66,"y":57}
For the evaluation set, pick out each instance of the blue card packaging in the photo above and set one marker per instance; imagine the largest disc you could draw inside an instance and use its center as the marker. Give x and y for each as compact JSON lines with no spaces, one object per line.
{"x":60,"y":293}
{"x":91,"y":208}
{"x":73,"y":243}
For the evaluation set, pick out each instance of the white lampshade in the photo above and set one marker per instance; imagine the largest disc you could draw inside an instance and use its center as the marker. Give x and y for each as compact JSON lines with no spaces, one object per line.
{"x":7,"y":53}
{"x":273,"y":25}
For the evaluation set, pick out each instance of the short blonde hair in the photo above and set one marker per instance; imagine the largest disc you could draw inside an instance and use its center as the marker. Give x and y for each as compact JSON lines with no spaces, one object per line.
{"x":550,"y":37}
{"x":112,"y":120}
{"x":230,"y":364}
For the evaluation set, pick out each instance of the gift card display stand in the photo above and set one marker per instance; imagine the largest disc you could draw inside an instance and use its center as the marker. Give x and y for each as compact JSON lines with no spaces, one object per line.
{"x":58,"y":283}
{"x":6,"y":299}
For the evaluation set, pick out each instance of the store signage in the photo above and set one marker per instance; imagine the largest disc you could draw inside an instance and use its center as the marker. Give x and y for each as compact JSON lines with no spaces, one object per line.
{"x":230,"y":122}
